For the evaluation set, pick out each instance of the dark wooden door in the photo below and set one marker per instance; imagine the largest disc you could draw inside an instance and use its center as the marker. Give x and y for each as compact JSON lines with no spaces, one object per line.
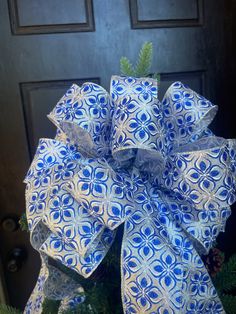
{"x":47,"y":45}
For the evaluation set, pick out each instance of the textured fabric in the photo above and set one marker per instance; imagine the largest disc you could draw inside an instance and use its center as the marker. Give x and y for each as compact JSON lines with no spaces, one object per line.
{"x":153,"y":166}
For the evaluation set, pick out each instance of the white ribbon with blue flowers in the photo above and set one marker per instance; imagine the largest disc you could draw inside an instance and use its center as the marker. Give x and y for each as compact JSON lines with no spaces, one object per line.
{"x":153,"y":166}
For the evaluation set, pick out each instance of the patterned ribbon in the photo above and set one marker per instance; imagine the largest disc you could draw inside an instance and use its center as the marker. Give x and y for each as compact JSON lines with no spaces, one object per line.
{"x":153,"y":166}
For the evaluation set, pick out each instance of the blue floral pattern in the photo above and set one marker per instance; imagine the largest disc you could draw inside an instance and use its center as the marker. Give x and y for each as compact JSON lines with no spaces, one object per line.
{"x":153,"y":166}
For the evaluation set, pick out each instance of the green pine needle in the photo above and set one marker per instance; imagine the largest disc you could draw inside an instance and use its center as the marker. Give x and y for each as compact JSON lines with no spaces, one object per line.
{"x":126,"y":67}
{"x":225,"y":280}
{"x":6,"y":309}
{"x":145,"y":60}
{"x":229,"y":303}
{"x":82,"y":309}
{"x":50,"y":306}
{"x":23,"y":222}
{"x":143,"y":65}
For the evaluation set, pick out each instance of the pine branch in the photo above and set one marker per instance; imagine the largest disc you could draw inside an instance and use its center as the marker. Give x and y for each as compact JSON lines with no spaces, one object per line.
{"x":145,"y":60}
{"x":50,"y":306}
{"x":229,"y":303}
{"x":225,"y":280}
{"x":6,"y":309}
{"x":84,"y":309}
{"x":143,"y":64}
{"x":23,"y":222}
{"x":126,"y":67}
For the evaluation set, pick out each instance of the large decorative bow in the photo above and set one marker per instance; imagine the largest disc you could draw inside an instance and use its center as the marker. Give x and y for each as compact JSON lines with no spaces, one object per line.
{"x":128,"y":158}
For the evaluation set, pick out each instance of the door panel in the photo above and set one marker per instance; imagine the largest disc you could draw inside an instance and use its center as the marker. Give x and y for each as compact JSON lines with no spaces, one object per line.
{"x":40,"y":17}
{"x":48,"y":45}
{"x":166,"y":13}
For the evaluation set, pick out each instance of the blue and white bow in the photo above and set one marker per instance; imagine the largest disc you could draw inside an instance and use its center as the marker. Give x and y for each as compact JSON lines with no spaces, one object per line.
{"x":153,"y":166}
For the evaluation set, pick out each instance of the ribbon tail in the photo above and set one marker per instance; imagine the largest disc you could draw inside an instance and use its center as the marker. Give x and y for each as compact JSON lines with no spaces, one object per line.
{"x":35,"y":301}
{"x":53,"y":284}
{"x":161,"y":271}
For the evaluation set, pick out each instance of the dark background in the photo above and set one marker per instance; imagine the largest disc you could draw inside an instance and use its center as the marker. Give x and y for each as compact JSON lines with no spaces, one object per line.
{"x":47,"y":45}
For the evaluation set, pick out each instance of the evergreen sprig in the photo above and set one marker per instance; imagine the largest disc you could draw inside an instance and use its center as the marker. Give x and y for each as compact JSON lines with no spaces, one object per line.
{"x":143,"y":64}
{"x":83,"y":308}
{"x":23,"y":222}
{"x":6,"y":309}
{"x":145,"y":60}
{"x":225,"y":280}
{"x":126,"y":67}
{"x":229,"y":303}
{"x":50,"y":306}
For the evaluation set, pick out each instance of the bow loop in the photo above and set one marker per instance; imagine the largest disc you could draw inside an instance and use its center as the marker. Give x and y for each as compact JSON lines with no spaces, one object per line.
{"x":84,"y":115}
{"x":186,"y":113}
{"x":200,"y":187}
{"x":72,"y":228}
{"x":201,"y":175}
{"x":137,"y":126}
{"x":54,"y":163}
{"x":70,"y":221}
{"x":48,"y":154}
{"x":58,"y":249}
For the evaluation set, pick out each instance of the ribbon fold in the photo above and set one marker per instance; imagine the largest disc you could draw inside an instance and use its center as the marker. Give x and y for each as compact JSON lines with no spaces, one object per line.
{"x":126,"y":157}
